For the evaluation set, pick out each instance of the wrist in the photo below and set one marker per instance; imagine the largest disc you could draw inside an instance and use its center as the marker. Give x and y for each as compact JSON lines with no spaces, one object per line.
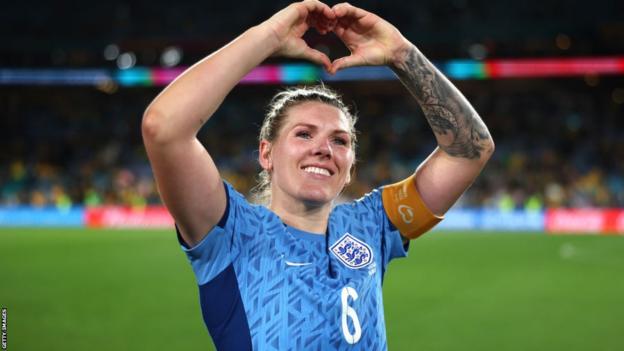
{"x":267,"y":35}
{"x":402,"y":53}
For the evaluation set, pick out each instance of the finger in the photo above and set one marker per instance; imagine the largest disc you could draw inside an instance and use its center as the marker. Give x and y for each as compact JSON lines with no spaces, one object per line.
{"x":326,"y":25}
{"x":346,"y":62}
{"x":316,"y":57}
{"x":339,"y":29}
{"x":347,"y":10}
{"x":343,"y":24}
{"x":312,"y":21}
{"x":319,"y":22}
{"x":315,"y":6}
{"x":319,"y":16}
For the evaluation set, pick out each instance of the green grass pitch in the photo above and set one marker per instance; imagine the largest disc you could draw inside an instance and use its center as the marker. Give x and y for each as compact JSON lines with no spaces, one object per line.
{"x":76,"y":289}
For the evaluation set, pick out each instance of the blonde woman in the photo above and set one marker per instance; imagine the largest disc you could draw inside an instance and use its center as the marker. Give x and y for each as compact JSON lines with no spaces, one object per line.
{"x":299,"y":273}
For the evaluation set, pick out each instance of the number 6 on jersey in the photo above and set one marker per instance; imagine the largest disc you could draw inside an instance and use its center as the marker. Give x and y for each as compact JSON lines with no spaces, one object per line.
{"x":348,"y":311}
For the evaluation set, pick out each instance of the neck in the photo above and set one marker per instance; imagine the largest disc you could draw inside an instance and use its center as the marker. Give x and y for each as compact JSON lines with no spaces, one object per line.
{"x":307,"y":217}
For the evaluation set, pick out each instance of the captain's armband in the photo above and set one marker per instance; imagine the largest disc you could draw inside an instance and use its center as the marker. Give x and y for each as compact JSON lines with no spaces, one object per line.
{"x":406,"y":210}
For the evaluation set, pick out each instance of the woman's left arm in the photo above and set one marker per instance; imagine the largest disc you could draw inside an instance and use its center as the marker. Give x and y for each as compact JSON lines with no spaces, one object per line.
{"x":464,"y":142}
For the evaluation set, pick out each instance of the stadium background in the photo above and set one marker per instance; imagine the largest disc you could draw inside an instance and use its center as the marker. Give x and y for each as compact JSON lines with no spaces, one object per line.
{"x":76,"y":77}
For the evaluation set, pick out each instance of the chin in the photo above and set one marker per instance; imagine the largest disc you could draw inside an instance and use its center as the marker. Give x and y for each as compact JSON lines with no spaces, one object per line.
{"x":316,"y":197}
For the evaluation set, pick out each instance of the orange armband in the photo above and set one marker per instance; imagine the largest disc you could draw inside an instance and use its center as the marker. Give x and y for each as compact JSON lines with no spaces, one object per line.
{"x":406,"y":210}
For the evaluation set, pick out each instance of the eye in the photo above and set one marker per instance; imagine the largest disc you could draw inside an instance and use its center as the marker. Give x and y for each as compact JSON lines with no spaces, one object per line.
{"x":340,"y":141}
{"x":303,"y":134}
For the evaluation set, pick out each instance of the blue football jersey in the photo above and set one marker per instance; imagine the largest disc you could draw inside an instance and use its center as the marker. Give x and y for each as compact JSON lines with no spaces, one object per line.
{"x":264,"y":285}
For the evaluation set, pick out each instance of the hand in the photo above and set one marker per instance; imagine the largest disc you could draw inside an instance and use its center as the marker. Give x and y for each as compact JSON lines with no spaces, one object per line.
{"x":291,"y":23}
{"x":371,"y":40}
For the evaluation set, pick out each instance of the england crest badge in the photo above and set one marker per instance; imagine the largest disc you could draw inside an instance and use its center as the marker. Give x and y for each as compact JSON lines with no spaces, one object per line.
{"x":353,"y":252}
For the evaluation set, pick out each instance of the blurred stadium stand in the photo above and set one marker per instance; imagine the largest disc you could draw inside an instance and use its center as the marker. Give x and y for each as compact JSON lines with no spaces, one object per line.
{"x":560,"y":142}
{"x":74,"y":34}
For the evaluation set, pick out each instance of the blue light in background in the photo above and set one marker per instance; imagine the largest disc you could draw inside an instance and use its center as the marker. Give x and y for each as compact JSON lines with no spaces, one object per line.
{"x":134,"y":77}
{"x":464,"y":69}
{"x":296,"y":73}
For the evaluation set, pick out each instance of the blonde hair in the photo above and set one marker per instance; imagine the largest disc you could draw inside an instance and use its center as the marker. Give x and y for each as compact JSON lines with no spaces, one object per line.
{"x":276,"y":117}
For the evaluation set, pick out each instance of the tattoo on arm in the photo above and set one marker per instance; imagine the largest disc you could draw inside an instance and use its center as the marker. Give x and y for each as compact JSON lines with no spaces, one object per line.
{"x":458,"y":128}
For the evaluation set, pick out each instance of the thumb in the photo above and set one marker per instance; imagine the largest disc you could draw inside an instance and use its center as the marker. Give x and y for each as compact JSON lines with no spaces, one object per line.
{"x":346,"y":62}
{"x":316,"y":57}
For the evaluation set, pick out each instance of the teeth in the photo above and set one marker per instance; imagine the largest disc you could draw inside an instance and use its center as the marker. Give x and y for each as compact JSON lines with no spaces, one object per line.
{"x":317,"y":170}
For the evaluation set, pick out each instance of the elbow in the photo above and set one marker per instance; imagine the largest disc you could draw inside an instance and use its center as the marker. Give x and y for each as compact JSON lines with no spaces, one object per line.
{"x":153,"y":127}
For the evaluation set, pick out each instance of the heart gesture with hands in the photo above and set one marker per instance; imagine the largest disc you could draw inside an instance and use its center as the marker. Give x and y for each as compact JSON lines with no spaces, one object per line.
{"x":371,"y":40}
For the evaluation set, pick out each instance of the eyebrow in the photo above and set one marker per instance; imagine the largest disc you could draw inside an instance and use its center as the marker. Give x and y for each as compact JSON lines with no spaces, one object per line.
{"x":312,"y":126}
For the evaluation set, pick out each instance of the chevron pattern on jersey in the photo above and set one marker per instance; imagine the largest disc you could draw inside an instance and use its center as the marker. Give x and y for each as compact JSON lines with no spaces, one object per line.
{"x":291,"y":285}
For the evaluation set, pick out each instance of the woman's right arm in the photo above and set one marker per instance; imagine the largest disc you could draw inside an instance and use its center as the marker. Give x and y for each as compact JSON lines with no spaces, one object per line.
{"x":188,"y":180}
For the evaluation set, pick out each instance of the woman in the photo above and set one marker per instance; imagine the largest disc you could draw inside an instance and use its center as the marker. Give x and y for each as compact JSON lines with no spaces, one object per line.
{"x":300,"y":273}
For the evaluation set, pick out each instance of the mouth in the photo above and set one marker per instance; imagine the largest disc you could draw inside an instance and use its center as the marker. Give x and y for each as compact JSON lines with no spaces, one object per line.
{"x":318,"y":170}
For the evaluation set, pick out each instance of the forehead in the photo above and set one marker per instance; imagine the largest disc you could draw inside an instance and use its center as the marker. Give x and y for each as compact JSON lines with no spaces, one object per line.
{"x":316,"y":113}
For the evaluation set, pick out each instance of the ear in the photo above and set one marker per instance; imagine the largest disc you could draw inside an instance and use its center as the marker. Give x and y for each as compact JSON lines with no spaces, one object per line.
{"x":264,"y":155}
{"x":350,"y":175}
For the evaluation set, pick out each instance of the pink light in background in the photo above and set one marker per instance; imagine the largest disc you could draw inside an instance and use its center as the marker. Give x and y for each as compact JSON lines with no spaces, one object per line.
{"x":263,"y":74}
{"x":164,"y":76}
{"x":553,"y":67}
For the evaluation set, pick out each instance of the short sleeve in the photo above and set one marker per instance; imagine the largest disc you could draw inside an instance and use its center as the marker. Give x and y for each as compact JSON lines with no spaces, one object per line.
{"x":370,"y":209}
{"x":393,"y":241}
{"x":220,"y":247}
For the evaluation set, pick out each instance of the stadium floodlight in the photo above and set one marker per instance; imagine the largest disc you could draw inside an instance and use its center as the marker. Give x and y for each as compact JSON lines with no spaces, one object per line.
{"x":171,"y":56}
{"x":126,"y":60}
{"x":111,"y":52}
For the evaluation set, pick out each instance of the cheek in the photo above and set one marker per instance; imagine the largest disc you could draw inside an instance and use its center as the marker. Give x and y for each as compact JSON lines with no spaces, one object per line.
{"x":346,"y":160}
{"x":285,"y":156}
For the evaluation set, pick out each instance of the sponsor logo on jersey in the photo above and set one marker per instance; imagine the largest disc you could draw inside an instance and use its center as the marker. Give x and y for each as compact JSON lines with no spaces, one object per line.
{"x":353,"y":252}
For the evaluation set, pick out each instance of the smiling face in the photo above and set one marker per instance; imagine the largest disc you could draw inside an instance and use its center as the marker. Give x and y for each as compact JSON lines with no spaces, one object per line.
{"x":311,"y":159}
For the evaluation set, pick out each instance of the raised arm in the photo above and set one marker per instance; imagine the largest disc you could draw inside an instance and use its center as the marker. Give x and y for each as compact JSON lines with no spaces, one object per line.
{"x":464,"y":143}
{"x":188,"y":180}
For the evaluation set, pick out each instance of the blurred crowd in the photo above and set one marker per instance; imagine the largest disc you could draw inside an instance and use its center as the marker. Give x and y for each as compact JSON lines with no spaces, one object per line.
{"x":445,"y":29}
{"x":559,"y":143}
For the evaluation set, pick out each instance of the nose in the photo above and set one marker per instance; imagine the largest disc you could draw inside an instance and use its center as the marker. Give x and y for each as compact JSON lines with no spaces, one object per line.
{"x":323,"y":148}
